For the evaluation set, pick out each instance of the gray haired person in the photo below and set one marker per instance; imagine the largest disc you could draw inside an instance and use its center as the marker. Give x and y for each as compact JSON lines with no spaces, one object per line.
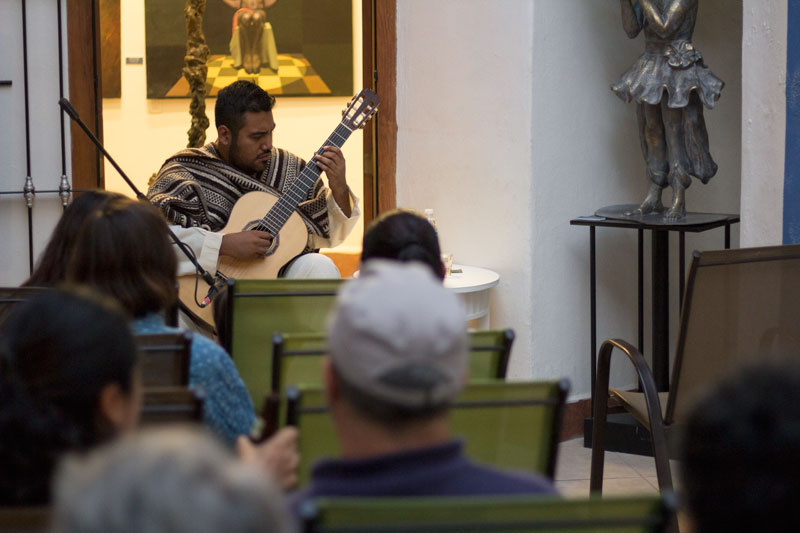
{"x":170,"y":480}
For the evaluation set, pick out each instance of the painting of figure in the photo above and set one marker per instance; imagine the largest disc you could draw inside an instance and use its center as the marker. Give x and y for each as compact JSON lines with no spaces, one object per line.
{"x":288,"y":47}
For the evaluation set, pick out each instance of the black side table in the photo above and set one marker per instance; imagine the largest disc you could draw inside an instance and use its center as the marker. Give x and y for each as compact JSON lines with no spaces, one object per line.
{"x":613,"y":217}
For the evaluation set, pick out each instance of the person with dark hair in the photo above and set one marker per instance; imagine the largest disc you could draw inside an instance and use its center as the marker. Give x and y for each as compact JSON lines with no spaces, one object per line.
{"x":123,"y":250}
{"x":52,"y":264}
{"x":398,"y":358}
{"x":68,"y":381}
{"x":197,"y":188}
{"x":165,"y":481}
{"x":404,"y":236}
{"x":739,"y":453}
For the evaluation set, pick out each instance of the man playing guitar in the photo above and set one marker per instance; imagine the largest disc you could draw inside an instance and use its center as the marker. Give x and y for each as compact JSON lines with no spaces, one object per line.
{"x":198,"y":187}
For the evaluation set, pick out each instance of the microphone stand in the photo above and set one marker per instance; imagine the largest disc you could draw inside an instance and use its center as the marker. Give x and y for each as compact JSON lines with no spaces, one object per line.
{"x":183,"y":247}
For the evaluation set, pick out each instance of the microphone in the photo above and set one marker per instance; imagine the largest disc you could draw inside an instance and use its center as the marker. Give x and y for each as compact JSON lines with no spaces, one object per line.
{"x":215,"y":288}
{"x":208,"y":278}
{"x":68,"y":109}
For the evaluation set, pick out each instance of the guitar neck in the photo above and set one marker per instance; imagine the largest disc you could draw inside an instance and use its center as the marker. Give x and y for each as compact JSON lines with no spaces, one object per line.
{"x":289,"y":200}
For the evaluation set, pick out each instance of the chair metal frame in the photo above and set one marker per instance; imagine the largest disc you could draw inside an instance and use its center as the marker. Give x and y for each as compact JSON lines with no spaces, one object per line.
{"x":662,"y":424}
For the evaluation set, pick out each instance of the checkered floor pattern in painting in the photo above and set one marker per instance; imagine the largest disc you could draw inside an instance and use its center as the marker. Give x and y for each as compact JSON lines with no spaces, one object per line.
{"x":295,"y":76}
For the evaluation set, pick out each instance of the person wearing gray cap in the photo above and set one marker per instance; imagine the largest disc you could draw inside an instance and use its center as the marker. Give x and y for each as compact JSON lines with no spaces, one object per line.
{"x":398,"y":357}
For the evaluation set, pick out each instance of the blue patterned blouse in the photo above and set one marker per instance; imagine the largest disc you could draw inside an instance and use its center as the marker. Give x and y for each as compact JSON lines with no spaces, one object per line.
{"x":228,"y":409}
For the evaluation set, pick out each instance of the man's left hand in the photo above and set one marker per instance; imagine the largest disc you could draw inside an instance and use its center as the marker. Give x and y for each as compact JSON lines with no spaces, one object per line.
{"x":331,"y":160}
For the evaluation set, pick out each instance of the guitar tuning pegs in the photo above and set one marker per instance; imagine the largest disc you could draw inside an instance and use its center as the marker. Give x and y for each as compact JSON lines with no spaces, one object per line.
{"x":344,"y":112}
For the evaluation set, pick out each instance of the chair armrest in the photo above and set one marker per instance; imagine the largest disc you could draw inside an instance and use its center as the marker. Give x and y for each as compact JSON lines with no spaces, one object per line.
{"x":643,"y":371}
{"x":601,"y":402}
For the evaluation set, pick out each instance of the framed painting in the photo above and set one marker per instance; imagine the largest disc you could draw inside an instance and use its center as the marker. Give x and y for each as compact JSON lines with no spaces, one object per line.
{"x":110,"y":63}
{"x":288,"y":47}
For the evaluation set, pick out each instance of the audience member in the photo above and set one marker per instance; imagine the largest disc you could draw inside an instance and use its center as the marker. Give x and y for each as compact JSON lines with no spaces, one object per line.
{"x":67,"y":382}
{"x":51,"y":267}
{"x":398,"y":358}
{"x":167,"y":481}
{"x":123,"y":251}
{"x":403,"y":236}
{"x":740,"y":448}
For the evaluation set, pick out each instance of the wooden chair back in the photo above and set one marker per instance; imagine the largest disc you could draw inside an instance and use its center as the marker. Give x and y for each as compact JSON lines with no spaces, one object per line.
{"x":27,"y":519}
{"x":171,"y":405}
{"x":165,"y":358}
{"x":11,"y":296}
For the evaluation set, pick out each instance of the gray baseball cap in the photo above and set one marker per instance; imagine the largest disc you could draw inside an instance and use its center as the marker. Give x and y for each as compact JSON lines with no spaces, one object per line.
{"x":398,"y":335}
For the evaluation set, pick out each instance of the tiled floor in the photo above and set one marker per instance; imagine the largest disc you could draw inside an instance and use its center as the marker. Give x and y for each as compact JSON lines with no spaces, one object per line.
{"x":623,"y":474}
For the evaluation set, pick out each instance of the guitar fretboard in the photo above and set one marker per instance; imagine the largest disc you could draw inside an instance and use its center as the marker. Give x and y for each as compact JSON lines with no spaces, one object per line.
{"x":274,"y":220}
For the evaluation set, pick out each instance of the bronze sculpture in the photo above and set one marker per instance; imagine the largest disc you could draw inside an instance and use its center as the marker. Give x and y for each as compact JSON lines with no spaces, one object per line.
{"x":670,"y":85}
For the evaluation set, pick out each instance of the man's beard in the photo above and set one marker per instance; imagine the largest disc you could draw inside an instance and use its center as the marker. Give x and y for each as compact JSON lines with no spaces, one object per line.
{"x":251,"y":168}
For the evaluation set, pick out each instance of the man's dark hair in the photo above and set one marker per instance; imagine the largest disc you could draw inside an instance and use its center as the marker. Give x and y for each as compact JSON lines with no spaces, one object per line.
{"x":237,"y":99}
{"x":740,"y":453}
{"x":382,"y":412}
{"x":403,"y":236}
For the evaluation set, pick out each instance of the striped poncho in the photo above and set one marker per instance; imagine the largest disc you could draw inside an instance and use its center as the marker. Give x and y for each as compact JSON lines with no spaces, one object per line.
{"x":196,"y":188}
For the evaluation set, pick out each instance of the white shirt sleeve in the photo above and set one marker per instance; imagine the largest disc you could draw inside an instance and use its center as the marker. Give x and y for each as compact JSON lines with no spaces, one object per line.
{"x":339,"y":224}
{"x":205,"y":245}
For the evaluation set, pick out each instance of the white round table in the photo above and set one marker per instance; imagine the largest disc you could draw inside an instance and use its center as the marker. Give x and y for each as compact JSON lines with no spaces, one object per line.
{"x":472,"y":284}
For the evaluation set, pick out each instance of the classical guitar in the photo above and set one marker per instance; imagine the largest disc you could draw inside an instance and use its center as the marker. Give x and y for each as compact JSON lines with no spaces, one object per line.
{"x":277,"y":215}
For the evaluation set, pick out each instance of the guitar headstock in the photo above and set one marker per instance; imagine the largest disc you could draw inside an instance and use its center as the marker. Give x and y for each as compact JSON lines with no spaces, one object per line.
{"x":361,"y":109}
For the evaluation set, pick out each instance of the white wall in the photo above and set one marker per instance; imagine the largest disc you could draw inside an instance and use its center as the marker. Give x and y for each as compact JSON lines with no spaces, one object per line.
{"x":45,"y":132}
{"x":763,"y":121}
{"x":464,"y":139}
{"x":508,"y":129}
{"x":141,"y":133}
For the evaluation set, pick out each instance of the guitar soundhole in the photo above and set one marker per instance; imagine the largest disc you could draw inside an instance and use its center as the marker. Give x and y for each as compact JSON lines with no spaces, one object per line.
{"x":258,"y":225}
{"x":274,"y":246}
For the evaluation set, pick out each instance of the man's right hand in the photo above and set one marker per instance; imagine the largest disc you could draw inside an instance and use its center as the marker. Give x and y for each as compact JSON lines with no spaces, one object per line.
{"x":245,"y":245}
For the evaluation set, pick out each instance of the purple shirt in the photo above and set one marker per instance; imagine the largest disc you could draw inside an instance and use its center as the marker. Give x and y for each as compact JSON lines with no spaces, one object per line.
{"x":441,"y":470}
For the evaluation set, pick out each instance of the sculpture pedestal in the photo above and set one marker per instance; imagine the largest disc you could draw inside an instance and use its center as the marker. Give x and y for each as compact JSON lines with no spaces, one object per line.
{"x":614,"y":217}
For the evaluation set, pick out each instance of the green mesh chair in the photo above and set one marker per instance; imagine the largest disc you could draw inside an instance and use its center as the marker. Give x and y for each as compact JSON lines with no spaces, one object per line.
{"x":490,"y":350}
{"x":297,"y":359}
{"x":257,"y":309}
{"x":494,"y":514}
{"x":507,"y":425}
{"x":511,"y":425}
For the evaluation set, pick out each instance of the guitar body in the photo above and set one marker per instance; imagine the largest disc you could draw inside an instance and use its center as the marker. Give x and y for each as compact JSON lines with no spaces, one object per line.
{"x":246,"y":215}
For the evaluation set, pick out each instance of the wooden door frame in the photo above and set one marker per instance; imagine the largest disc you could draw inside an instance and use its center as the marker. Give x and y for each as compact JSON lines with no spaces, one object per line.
{"x":380,"y":74}
{"x":85,"y":91}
